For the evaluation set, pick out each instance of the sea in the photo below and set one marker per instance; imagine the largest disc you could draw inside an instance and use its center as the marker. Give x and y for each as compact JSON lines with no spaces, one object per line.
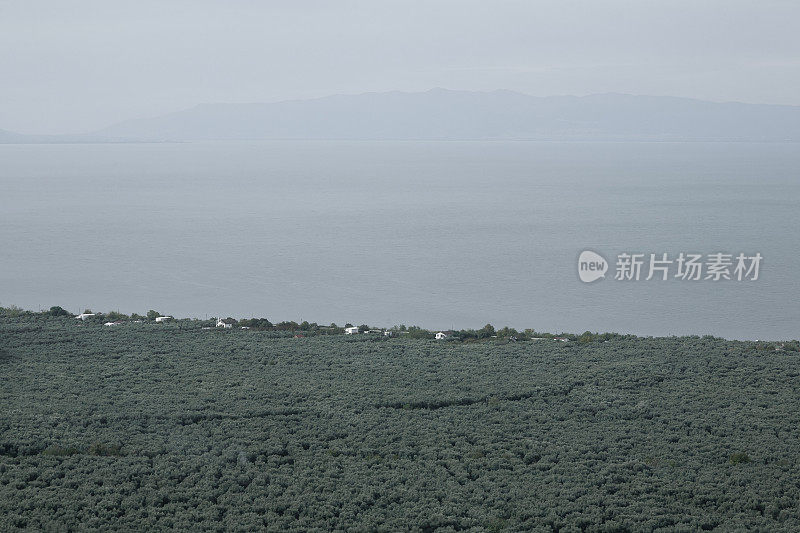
{"x":443,"y":235}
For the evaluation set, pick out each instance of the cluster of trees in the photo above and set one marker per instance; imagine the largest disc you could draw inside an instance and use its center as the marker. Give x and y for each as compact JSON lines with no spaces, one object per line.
{"x":413,"y":332}
{"x":790,"y":346}
{"x":170,"y":428}
{"x":509,"y":334}
{"x":58,"y":311}
{"x":305,"y":327}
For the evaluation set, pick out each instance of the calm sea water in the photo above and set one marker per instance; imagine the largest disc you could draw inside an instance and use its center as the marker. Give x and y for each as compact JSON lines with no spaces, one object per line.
{"x":439,"y":234}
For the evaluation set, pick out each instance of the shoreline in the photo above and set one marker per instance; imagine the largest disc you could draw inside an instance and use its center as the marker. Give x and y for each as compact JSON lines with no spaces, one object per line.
{"x":488,"y":332}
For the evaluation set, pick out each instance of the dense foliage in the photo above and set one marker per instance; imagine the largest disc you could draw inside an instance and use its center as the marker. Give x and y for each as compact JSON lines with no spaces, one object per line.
{"x":161,"y":426}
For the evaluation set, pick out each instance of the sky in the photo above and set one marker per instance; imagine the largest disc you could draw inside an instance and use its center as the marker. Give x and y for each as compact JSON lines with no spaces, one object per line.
{"x":73,"y":67}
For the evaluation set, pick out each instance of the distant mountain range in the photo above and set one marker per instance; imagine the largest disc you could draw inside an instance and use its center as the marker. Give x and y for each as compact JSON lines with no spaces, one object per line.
{"x":9,"y":137}
{"x":441,"y":114}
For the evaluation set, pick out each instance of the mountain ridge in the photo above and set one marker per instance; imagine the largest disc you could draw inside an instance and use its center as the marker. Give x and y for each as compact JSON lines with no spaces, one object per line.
{"x":445,"y":114}
{"x":442,"y":114}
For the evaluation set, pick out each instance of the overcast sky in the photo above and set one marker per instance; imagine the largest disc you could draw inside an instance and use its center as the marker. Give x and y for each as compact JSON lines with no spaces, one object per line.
{"x":80,"y":65}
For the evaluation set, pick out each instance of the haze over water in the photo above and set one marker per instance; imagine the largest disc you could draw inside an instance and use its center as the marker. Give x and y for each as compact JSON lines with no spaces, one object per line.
{"x":439,"y":234}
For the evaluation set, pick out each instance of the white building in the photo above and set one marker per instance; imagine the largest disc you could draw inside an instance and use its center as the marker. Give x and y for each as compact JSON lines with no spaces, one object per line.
{"x":351,"y":331}
{"x":226,"y":323}
{"x":163,"y":318}
{"x":442,"y":335}
{"x":84,"y":316}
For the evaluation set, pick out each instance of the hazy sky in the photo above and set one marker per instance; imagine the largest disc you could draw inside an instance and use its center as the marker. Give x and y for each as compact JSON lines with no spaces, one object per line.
{"x":80,"y":65}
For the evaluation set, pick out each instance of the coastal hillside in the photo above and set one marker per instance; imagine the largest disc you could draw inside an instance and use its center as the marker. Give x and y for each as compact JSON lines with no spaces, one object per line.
{"x":11,"y":137}
{"x":160,"y":425}
{"x":441,"y":114}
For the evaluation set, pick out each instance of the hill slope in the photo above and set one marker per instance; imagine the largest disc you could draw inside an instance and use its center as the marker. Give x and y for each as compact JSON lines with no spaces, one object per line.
{"x":443,"y":114}
{"x":166,"y":426}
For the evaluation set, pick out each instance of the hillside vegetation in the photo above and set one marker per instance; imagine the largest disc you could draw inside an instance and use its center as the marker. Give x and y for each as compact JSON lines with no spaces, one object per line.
{"x":170,"y":426}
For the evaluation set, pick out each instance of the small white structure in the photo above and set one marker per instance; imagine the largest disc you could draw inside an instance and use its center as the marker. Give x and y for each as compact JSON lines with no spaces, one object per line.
{"x":351,"y":331}
{"x":388,"y":333}
{"x":117,"y":323}
{"x":163,"y":318}
{"x":226,"y":323}
{"x":442,"y":335}
{"x":84,"y":316}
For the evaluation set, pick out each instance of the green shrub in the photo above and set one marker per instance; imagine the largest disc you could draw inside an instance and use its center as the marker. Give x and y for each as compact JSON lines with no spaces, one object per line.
{"x":739,"y":457}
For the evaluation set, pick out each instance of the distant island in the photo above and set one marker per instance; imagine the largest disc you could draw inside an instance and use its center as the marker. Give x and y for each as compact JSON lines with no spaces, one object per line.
{"x":441,"y":114}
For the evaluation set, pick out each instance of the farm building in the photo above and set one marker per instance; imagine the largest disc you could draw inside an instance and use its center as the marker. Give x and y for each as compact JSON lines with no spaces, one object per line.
{"x":226,"y":323}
